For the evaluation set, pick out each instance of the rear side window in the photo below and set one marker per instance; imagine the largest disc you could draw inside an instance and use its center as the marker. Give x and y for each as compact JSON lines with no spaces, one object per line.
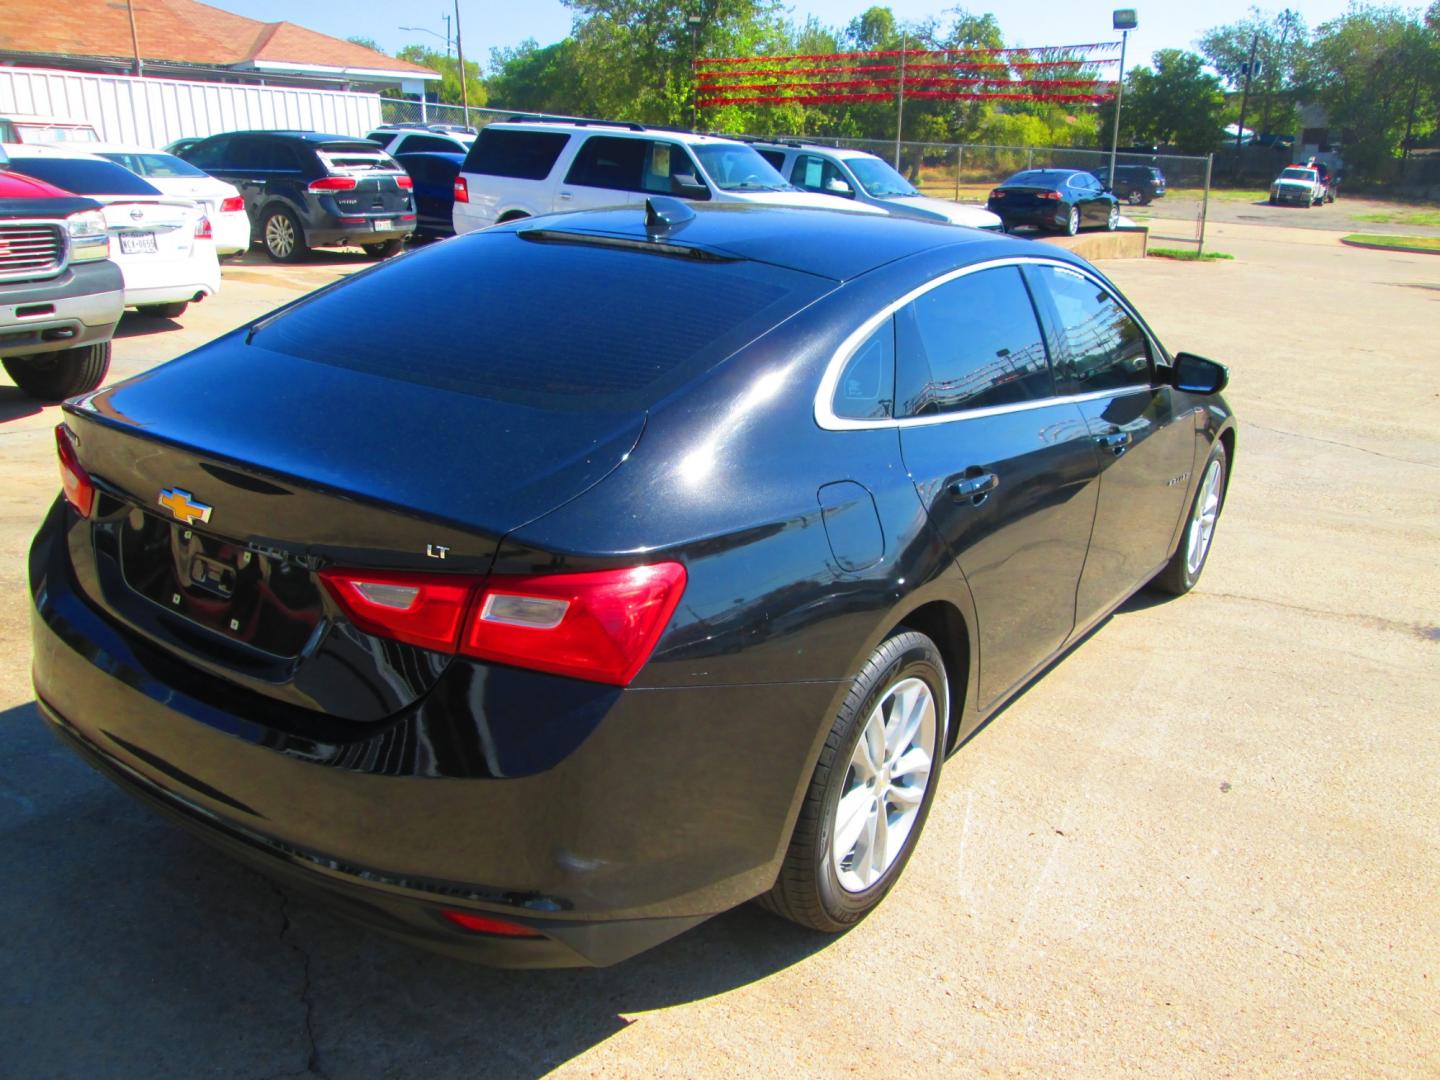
{"x":263,"y":155}
{"x":866,"y":389}
{"x":1100,"y":346}
{"x":210,"y":154}
{"x":494,"y":315}
{"x":607,"y":162}
{"x":84,"y":176}
{"x":523,"y":155}
{"x":413,"y":144}
{"x":972,"y":343}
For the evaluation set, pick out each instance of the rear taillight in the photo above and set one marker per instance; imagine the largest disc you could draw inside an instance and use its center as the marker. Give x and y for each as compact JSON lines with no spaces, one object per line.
{"x":79,"y":488}
{"x":997,"y":194}
{"x":232,"y":204}
{"x":423,"y":609}
{"x":462,"y":190}
{"x":203,"y":230}
{"x":404,"y":182}
{"x":1051,"y":196}
{"x":333,"y":183}
{"x":601,"y":626}
{"x":486,"y":924}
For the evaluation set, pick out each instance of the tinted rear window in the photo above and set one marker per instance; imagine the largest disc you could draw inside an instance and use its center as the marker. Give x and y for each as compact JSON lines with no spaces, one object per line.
{"x":82,"y":176}
{"x":549,"y":324}
{"x":524,"y":155}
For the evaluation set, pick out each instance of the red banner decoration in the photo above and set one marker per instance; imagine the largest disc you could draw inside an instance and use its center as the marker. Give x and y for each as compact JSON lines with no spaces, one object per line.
{"x":1063,"y":74}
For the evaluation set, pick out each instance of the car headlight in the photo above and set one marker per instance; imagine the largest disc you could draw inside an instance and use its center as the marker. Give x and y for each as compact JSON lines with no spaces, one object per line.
{"x":89,"y":237}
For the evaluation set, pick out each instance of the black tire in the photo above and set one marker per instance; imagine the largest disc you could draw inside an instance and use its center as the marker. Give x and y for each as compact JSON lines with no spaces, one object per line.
{"x":283,"y":237}
{"x":1274,"y":201}
{"x":1072,"y":223}
{"x":808,"y":890}
{"x":164,"y":311}
{"x":1178,"y":578}
{"x":384,"y":250}
{"x":56,"y":376}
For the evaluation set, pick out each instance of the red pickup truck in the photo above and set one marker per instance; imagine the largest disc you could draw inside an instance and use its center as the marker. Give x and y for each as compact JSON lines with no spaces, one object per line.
{"x":60,"y":295}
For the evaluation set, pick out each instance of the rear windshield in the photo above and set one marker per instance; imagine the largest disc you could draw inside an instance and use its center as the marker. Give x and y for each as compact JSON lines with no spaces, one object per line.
{"x":524,"y":155}
{"x":84,"y":176}
{"x":160,"y":166}
{"x":550,"y":324}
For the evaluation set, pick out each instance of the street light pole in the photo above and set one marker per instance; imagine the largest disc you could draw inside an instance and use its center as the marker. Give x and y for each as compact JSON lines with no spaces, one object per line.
{"x":694,"y":23}
{"x":460,"y":53}
{"x":900,"y":106}
{"x":1123,"y":20}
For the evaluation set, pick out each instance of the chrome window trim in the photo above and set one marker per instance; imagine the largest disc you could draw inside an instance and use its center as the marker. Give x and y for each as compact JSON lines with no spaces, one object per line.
{"x":825,"y":395}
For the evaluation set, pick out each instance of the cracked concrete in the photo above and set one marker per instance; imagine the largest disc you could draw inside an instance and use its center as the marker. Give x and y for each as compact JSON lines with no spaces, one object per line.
{"x":1206,"y":843}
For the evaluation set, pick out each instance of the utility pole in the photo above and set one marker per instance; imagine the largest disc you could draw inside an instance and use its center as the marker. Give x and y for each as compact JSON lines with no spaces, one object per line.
{"x":447,"y":35}
{"x":460,"y":52}
{"x":1277,"y":72}
{"x":694,"y":22}
{"x":1245,"y":99}
{"x":1123,"y":20}
{"x":900,"y":100}
{"x":134,"y":37}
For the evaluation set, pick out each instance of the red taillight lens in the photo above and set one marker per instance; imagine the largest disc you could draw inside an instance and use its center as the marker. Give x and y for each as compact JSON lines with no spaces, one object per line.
{"x":997,"y":194}
{"x":485,"y":924}
{"x":404,"y":182}
{"x":203,"y":230}
{"x":333,"y":183}
{"x":462,"y":190}
{"x":423,"y":609}
{"x":79,"y":488}
{"x":232,"y":204}
{"x":1052,"y":196}
{"x":599,"y":626}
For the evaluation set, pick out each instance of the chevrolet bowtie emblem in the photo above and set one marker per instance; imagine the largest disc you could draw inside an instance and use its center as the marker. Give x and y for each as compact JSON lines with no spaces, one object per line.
{"x":183,"y":505}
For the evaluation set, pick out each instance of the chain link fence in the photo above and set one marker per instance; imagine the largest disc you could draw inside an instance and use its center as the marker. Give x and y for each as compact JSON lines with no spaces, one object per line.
{"x":966,"y":172}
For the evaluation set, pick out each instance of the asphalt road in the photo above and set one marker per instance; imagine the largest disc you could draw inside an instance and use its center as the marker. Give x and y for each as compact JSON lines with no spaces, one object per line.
{"x":1345,"y":214}
{"x":1206,"y":843}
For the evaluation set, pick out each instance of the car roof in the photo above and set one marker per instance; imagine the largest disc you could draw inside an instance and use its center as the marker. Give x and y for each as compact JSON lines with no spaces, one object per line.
{"x":62,"y":150}
{"x":615,"y":127}
{"x":290,"y":133}
{"x":835,"y":244}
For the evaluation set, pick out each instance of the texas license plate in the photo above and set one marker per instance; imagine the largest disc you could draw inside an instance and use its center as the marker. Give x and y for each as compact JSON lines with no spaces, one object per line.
{"x":138,"y":243}
{"x":382,"y":224}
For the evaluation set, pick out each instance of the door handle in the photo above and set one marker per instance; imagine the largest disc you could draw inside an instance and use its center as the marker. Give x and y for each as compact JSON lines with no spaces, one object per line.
{"x":1117,"y":442}
{"x":566,"y":195}
{"x":974,"y":488}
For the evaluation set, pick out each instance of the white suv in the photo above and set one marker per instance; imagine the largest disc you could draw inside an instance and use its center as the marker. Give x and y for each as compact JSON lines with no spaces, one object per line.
{"x":519,"y":169}
{"x":418,"y":138}
{"x":865,"y":178}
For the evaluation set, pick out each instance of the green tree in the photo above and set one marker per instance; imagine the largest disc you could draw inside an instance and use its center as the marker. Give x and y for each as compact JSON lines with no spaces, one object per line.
{"x":1281,"y":43}
{"x":1377,"y":72}
{"x":449,"y":69}
{"x":534,"y":79}
{"x":1177,"y":103}
{"x":366,"y":43}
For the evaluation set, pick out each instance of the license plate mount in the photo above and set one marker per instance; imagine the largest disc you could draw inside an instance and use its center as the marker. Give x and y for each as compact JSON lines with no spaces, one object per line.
{"x":138,"y":243}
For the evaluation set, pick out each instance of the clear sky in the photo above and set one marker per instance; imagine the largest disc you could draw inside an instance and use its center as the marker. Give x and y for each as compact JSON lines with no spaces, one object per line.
{"x":488,"y":24}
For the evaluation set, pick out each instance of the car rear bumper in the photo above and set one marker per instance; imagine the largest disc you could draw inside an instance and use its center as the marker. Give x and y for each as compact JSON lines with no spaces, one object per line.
{"x":675,"y":805}
{"x":168,"y":281}
{"x":1040,"y":217}
{"x":232,"y":232}
{"x":330,"y":230}
{"x":79,"y":306}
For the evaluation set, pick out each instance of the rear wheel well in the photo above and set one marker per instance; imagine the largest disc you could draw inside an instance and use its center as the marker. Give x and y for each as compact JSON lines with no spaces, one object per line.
{"x":1227,"y":440}
{"x":943,"y":624}
{"x":512,"y":215}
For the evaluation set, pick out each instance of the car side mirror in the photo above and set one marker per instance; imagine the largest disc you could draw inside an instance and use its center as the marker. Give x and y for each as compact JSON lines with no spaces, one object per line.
{"x":688,"y":185}
{"x":1196,"y":375}
{"x":836,"y":186}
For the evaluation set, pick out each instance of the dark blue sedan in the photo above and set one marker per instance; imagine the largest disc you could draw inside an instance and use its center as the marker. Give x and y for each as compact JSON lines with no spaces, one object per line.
{"x":1055,"y":200}
{"x":433,"y":173}
{"x":634,"y":563}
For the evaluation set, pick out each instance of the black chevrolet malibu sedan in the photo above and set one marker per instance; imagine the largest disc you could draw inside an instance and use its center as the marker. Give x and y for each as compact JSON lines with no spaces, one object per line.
{"x":1055,"y":200}
{"x":630,"y":565}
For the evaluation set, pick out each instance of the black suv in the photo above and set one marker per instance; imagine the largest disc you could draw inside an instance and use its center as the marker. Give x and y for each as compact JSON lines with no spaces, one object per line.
{"x":303,"y":189}
{"x":1138,"y":184}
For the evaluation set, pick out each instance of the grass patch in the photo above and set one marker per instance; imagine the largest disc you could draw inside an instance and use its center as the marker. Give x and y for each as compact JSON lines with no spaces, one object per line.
{"x":1429,"y":245}
{"x":1249,"y":195}
{"x":1401,"y":217}
{"x":1189,"y":256}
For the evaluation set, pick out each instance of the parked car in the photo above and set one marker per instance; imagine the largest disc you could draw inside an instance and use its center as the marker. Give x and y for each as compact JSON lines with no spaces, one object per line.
{"x":304,"y":189}
{"x":519,"y":168}
{"x":863,"y":177}
{"x":417,"y":617}
{"x":397,"y":139}
{"x":433,"y":173}
{"x":1299,"y":185}
{"x":60,"y":295}
{"x":26,"y":128}
{"x":171,"y":175}
{"x":1138,"y":185}
{"x":163,"y":245}
{"x":1056,"y":200}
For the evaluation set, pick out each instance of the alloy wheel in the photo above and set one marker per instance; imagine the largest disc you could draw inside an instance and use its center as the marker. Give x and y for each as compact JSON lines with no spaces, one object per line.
{"x":1113,"y":221}
{"x":884,"y":785}
{"x":1073,"y":226}
{"x":1203,"y":518}
{"x":279,"y":236}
